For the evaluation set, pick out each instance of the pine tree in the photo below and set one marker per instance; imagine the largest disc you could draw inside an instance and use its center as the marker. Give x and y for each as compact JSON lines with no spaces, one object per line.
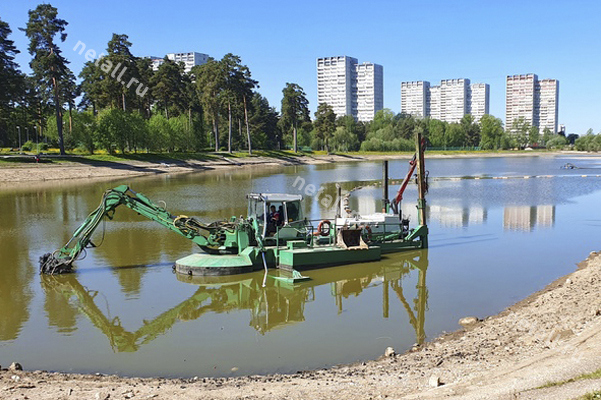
{"x":295,"y":109}
{"x":49,"y":67}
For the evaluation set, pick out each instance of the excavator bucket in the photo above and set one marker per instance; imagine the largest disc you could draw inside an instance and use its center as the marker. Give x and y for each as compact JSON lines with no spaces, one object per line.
{"x":49,"y":264}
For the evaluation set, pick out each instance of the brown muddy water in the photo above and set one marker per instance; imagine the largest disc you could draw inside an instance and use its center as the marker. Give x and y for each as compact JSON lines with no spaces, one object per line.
{"x":492,"y":242}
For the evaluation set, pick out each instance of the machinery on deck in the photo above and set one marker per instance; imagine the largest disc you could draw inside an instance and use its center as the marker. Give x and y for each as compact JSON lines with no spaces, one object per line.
{"x":389,"y":229}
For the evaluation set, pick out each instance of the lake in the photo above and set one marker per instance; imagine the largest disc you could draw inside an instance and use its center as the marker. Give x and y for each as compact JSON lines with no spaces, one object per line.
{"x":501,"y":228}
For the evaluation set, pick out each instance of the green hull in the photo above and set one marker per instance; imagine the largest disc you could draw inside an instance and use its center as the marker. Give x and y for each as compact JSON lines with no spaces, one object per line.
{"x":202,"y":264}
{"x":297,"y":255}
{"x":214,"y":265}
{"x":324,"y":256}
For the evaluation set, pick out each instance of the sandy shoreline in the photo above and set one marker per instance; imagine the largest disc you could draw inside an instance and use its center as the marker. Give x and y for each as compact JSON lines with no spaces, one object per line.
{"x":553,"y":335}
{"x":31,"y":172}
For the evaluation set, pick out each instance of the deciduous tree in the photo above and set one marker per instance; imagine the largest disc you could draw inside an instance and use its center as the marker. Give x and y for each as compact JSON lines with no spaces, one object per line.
{"x":520,"y":128}
{"x":491,"y":131}
{"x":471,"y":131}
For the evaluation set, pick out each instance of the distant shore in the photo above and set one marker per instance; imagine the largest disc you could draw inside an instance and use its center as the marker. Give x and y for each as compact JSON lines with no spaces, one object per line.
{"x":17,"y":169}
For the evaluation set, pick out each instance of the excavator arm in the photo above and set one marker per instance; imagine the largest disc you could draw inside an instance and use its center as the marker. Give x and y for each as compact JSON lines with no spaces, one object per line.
{"x":60,"y":261}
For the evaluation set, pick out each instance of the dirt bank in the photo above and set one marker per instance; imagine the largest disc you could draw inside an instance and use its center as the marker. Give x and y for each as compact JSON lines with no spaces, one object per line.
{"x":49,"y":171}
{"x":14,"y":172}
{"x":551,"y":336}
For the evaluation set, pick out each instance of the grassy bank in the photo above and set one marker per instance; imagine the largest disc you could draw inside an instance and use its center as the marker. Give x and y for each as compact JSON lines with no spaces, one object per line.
{"x":52,"y":155}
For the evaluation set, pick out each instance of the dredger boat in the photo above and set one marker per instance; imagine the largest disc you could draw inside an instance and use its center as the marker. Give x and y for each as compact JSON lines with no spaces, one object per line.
{"x":262,"y":240}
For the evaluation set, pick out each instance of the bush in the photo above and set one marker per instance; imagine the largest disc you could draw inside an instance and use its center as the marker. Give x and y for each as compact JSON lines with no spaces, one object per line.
{"x":343,"y":140}
{"x":160,"y":132}
{"x":558,"y":142}
{"x":588,"y":142}
{"x":397,"y":144}
{"x":117,"y":129}
{"x":31,"y":146}
{"x":27,"y":146}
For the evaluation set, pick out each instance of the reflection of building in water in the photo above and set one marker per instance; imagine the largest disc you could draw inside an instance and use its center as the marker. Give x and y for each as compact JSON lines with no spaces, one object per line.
{"x":455,"y":217}
{"x":545,"y":216}
{"x":278,"y":305}
{"x":366,"y":204}
{"x":476,"y":215}
{"x":519,"y":218}
{"x":525,"y":218}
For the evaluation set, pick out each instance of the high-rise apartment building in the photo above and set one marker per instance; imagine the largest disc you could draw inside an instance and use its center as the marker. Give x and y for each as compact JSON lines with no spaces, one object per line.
{"x":536,"y":102}
{"x":548,"y":111}
{"x":335,"y":76}
{"x":350,"y":88}
{"x":520,"y":98}
{"x":189,"y":59}
{"x":479,"y":100}
{"x":414,"y":98}
{"x":433,"y":105}
{"x":449,"y":101}
{"x":369,"y":91}
{"x":453,"y":99}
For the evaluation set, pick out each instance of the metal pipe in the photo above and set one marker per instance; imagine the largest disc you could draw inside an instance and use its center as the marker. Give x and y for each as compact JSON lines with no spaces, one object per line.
{"x":339,"y":198}
{"x":385,"y":186}
{"x":421,"y":183}
{"x":265,"y":265}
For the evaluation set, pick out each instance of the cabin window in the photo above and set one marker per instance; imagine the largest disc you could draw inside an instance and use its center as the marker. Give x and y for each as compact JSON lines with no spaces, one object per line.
{"x":292,"y":211}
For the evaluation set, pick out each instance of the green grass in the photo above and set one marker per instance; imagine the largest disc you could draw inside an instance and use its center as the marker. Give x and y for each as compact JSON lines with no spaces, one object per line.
{"x":149,"y":157}
{"x":170,"y":157}
{"x":591,"y":396}
{"x":440,"y":152}
{"x":103,"y":156}
{"x":591,"y":375}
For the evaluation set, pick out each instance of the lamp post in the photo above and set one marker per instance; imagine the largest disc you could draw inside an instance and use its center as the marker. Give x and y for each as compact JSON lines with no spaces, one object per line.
{"x":37,"y":139}
{"x":19,"y":128}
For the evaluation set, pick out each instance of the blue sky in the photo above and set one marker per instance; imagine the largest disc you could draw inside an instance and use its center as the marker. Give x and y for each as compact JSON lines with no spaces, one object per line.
{"x":414,"y":40}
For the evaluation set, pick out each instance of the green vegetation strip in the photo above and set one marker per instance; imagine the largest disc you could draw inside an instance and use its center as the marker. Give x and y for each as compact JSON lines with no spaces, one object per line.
{"x":590,"y":396}
{"x":592,"y":375}
{"x":52,"y":156}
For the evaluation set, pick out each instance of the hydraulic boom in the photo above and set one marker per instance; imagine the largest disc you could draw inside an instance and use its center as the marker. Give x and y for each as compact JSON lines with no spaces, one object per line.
{"x":208,"y":237}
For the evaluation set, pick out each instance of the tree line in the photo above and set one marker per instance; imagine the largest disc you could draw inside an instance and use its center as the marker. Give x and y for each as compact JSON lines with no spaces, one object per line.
{"x":121,"y":104}
{"x":395,"y":132}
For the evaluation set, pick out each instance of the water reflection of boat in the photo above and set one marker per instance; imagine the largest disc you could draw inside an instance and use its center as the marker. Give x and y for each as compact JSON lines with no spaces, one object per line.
{"x":568,"y":166}
{"x":276,"y":306}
